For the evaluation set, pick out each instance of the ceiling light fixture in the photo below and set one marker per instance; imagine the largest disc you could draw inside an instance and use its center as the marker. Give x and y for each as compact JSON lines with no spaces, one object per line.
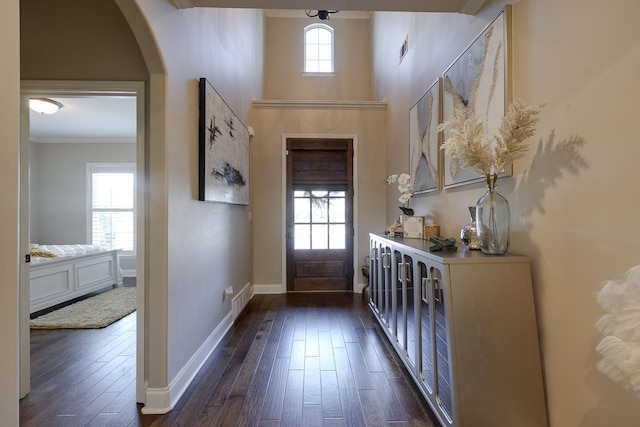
{"x":323,"y":15}
{"x":44,"y":105}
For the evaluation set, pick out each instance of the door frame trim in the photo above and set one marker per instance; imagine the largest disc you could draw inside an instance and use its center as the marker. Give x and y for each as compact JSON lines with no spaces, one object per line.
{"x":283,"y":201}
{"x":31,"y":88}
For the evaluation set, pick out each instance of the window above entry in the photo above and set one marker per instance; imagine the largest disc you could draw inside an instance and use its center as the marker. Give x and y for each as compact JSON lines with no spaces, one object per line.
{"x":318,"y":49}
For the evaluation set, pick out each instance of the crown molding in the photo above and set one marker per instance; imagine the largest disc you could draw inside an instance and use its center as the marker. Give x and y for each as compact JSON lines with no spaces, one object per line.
{"x":320,"y":105}
{"x":289,"y":13}
{"x":183,"y":4}
{"x":471,"y":7}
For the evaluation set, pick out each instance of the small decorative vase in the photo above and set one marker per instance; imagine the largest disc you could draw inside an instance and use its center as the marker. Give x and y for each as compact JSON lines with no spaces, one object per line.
{"x":469,"y":233}
{"x":493,"y":222}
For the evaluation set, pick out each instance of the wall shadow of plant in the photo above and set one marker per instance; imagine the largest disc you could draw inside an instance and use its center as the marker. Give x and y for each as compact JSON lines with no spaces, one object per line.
{"x":552,"y":161}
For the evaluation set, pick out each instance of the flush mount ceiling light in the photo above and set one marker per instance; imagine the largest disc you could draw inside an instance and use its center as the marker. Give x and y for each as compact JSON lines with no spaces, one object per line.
{"x":323,"y":15}
{"x":44,"y":105}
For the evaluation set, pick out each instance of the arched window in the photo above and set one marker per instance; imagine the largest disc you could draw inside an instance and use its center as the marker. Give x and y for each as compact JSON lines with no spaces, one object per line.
{"x":318,"y":49}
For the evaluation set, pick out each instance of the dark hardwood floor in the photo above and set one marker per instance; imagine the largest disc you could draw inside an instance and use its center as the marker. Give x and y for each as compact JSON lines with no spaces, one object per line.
{"x":290,"y":360}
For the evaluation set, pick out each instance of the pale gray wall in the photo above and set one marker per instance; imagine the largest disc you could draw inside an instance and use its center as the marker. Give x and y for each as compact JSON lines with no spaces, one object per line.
{"x":208,"y":245}
{"x":59,"y":187}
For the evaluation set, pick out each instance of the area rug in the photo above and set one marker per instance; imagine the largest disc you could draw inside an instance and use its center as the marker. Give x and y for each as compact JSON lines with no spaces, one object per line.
{"x":91,"y":313}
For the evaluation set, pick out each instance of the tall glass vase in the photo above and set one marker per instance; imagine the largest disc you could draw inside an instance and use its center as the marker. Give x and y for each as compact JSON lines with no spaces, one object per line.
{"x":493,"y":222}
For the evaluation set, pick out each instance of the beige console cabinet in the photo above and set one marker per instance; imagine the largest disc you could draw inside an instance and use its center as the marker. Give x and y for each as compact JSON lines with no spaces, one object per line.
{"x":464,"y":325}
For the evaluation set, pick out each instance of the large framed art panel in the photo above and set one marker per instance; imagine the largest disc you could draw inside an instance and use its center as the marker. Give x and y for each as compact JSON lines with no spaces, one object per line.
{"x":481,"y":79}
{"x":224,"y":151}
{"x":424,"y":141}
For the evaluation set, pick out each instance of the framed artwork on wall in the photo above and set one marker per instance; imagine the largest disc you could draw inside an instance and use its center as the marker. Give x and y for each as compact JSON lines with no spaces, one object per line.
{"x":224,"y":151}
{"x":481,"y":79}
{"x":424,"y":141}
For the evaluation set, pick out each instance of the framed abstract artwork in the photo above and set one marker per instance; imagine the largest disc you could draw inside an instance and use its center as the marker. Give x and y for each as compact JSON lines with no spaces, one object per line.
{"x":224,"y":151}
{"x":424,"y":141}
{"x":479,"y":78}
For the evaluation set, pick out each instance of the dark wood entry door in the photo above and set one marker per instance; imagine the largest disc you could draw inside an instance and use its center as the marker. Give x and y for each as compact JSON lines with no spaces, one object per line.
{"x":319,"y":214}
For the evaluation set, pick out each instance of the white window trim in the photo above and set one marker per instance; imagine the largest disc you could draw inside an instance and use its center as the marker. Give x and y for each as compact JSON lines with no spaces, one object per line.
{"x":110,"y":167}
{"x":333,"y":56}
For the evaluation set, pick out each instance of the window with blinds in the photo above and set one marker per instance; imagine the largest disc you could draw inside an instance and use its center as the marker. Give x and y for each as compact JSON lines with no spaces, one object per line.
{"x":111,"y":202}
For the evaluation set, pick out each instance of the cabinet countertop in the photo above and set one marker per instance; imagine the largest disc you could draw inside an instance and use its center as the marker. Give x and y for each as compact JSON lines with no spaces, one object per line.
{"x":462,"y":255}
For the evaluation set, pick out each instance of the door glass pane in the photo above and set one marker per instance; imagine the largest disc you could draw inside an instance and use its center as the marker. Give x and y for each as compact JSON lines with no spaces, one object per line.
{"x":302,"y":210}
{"x":319,"y":210}
{"x":336,"y":236}
{"x":319,"y":236}
{"x":336,"y":210}
{"x":323,"y":213}
{"x":302,"y":239}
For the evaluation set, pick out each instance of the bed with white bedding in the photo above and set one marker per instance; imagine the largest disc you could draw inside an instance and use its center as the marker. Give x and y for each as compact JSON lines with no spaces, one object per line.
{"x":59,"y":273}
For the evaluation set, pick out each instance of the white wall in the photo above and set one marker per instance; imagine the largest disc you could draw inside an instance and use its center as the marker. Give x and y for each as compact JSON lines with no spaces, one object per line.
{"x":9,"y":161}
{"x":58,"y":187}
{"x":574,"y":197}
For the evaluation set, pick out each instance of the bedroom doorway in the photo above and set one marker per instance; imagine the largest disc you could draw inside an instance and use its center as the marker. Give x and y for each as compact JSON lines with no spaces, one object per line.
{"x":95,"y":157}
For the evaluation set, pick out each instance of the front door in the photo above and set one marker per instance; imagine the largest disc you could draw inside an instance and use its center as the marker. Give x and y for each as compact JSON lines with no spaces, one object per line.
{"x":319,"y":214}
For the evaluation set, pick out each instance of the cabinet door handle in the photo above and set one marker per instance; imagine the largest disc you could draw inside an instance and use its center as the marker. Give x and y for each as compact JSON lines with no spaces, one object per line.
{"x":401,"y":272}
{"x":386,"y":260}
{"x":437,"y":291}
{"x":424,"y":292}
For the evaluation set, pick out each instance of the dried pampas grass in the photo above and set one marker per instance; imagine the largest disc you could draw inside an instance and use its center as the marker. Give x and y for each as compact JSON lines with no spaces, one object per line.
{"x":620,"y":347}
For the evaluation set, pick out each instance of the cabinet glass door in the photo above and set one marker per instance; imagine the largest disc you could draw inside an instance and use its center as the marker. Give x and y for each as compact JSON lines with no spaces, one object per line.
{"x":375,"y":270}
{"x":424,"y":318}
{"x":404,"y":288}
{"x":410,"y":307}
{"x":444,"y":393}
{"x":384,"y":284}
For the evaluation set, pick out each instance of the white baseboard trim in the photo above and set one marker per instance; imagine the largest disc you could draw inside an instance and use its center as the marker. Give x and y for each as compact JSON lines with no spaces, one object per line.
{"x":267,"y":289}
{"x":357,"y":289}
{"x":162,"y":400}
{"x":129,"y":273}
{"x":157,"y":401}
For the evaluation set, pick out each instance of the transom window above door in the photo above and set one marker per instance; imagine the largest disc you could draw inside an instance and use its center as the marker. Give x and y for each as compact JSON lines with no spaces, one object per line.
{"x":318,"y":49}
{"x":319,"y":219}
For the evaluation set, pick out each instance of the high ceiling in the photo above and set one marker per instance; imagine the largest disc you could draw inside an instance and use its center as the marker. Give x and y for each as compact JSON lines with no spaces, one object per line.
{"x":112,"y":119}
{"x":459,"y":6}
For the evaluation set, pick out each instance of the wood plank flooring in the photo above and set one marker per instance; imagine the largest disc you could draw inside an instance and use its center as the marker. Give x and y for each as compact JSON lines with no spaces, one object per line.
{"x":290,"y":360}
